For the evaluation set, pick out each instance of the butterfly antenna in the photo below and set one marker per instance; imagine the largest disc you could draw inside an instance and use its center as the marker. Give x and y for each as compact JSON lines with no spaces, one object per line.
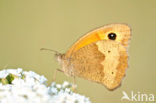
{"x":56,"y":52}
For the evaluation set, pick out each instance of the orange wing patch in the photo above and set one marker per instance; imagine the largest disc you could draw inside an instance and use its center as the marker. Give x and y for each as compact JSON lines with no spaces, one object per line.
{"x":91,"y":37}
{"x":122,"y":31}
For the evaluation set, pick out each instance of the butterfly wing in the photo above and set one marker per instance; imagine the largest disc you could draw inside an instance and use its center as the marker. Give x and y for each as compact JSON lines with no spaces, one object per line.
{"x":97,"y":58}
{"x":122,"y":31}
{"x":103,"y":61}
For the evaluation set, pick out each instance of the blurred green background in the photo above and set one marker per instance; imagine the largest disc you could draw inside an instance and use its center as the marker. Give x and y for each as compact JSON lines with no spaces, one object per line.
{"x":28,"y":25}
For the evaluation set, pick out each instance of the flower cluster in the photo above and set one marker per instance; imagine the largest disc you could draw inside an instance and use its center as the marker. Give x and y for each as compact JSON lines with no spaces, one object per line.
{"x":18,"y":86}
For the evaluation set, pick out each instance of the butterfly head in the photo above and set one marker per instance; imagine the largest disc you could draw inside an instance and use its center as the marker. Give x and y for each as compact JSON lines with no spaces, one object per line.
{"x":59,"y":57}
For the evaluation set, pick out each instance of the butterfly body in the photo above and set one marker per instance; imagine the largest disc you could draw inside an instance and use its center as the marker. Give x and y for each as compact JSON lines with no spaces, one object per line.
{"x":99,"y":56}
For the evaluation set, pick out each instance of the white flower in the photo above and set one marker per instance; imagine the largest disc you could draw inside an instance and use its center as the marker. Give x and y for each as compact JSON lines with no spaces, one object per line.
{"x":18,"y":86}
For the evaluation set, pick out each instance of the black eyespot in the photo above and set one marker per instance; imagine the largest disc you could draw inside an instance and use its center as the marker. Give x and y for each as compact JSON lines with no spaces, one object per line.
{"x":112,"y":36}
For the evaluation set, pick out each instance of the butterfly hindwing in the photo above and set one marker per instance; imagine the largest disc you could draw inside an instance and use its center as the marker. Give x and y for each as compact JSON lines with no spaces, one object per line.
{"x":103,"y":61}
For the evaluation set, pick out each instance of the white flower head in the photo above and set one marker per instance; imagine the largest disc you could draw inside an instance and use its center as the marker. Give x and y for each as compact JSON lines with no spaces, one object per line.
{"x":18,"y":86}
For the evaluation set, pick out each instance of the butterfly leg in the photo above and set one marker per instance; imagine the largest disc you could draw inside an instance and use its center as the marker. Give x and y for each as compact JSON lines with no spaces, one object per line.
{"x":5,"y":66}
{"x":74,"y":86}
{"x":54,"y":76}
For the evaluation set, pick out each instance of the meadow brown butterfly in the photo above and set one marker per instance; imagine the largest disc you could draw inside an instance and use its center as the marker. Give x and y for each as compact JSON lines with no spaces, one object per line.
{"x":99,"y":56}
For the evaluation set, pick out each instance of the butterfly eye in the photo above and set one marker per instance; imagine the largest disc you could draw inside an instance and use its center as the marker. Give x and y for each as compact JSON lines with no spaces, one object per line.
{"x":112,"y":36}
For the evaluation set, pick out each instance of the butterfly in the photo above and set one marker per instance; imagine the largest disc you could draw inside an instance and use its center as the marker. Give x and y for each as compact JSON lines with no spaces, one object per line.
{"x":100,"y":56}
